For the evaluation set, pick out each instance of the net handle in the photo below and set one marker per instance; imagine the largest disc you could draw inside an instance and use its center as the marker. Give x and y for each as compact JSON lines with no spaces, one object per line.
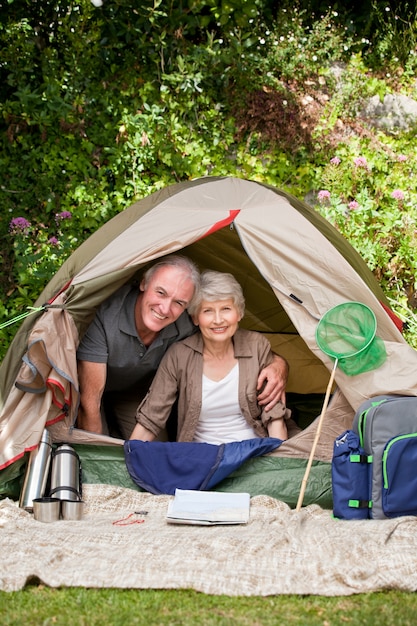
{"x":316,"y":438}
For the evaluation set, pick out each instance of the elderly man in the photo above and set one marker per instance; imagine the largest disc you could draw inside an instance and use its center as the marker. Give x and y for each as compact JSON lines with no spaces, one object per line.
{"x":122,"y":348}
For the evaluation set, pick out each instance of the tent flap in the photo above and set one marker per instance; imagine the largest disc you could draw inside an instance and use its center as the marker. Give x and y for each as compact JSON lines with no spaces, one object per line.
{"x":46,"y":388}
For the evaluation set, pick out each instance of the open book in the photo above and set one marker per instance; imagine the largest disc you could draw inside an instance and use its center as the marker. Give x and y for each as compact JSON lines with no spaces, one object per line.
{"x":208,"y":507}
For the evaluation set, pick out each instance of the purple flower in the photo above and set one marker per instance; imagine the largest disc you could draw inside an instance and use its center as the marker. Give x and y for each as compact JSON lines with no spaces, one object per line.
{"x":361,"y":162}
{"x":353,"y":205}
{"x":64,"y":215}
{"x":335,"y":161}
{"x":53,"y":241}
{"x":397,"y":194}
{"x":402,"y":158}
{"x":19,"y":225}
{"x":323,"y":195}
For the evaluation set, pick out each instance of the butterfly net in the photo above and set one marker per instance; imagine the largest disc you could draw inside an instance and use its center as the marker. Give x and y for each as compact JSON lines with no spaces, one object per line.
{"x":347,"y":332}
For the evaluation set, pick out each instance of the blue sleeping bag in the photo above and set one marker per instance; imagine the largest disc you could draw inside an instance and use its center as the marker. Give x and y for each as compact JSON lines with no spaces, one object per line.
{"x":161,"y":467}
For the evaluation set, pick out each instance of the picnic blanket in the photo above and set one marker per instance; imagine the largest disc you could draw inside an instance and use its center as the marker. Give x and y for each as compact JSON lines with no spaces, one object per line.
{"x":280,"y":550}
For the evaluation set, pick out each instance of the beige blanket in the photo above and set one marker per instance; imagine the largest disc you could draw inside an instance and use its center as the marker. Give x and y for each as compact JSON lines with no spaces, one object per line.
{"x":280,"y":551}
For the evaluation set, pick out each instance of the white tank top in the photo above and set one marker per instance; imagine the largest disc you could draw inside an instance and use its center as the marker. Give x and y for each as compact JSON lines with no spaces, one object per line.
{"x":221,"y":420}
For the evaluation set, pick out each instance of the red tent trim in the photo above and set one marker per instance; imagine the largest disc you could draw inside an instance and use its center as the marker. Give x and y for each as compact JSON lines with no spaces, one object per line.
{"x":397,"y":321}
{"x":226,"y":222}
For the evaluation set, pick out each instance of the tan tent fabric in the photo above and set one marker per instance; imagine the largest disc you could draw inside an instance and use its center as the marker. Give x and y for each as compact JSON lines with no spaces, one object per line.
{"x":307,"y":373}
{"x":46,"y":388}
{"x":293,"y":267}
{"x":337,"y":419}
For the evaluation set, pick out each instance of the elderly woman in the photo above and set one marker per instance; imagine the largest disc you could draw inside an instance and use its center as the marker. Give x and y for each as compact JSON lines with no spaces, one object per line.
{"x":213,"y":375}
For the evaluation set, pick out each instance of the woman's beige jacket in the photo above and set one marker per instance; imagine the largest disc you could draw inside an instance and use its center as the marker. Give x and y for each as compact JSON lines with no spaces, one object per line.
{"x":179,"y":377}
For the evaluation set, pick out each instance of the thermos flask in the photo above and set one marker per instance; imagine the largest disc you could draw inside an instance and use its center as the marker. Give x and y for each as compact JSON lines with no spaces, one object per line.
{"x":66,"y":474}
{"x":37,"y":470}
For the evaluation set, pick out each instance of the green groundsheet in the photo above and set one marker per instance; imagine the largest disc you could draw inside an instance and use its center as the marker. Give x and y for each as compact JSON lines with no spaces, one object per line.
{"x":272,"y":476}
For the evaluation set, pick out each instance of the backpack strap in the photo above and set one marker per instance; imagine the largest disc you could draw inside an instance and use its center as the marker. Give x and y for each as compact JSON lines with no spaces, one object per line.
{"x":360,"y":504}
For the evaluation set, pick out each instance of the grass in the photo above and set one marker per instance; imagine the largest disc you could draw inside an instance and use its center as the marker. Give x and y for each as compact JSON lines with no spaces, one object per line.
{"x":38,"y":605}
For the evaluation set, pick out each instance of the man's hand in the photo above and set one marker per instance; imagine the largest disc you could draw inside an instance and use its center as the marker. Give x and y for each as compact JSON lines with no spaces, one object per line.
{"x":272,"y":382}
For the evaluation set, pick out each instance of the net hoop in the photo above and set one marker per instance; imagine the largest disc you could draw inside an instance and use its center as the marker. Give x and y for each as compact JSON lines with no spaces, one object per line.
{"x":325,"y":320}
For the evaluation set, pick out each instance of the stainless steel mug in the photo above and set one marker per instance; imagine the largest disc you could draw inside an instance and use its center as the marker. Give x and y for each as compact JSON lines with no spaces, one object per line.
{"x":46,"y":509}
{"x":37,"y":470}
{"x":72,"y":510}
{"x":66,"y":474}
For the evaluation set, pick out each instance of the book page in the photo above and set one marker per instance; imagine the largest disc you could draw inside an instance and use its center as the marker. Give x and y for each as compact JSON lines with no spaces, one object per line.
{"x":208,"y":507}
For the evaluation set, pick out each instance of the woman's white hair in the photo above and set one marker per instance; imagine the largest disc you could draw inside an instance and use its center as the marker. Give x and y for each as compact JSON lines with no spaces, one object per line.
{"x":217,"y":286}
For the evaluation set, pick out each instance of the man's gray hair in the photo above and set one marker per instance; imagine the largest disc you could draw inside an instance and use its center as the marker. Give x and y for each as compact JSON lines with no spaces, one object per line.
{"x":218,"y":286}
{"x":175,"y":260}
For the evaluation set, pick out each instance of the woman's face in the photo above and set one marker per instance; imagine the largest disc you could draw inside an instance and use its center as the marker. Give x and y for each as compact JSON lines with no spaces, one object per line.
{"x":217,"y":320}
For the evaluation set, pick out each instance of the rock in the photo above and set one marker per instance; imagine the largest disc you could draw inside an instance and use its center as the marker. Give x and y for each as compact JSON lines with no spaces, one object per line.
{"x":395,"y":112}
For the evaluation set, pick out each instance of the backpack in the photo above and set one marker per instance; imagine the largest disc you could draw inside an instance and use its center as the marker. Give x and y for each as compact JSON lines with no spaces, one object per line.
{"x":385,"y":428}
{"x":351,"y":476}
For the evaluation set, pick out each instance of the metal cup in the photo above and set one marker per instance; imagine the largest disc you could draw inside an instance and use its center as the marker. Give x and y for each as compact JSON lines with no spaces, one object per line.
{"x":46,"y":509}
{"x":72,"y":509}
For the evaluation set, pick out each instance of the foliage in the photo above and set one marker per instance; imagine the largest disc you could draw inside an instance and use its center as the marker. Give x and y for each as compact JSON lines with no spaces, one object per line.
{"x":291,"y":51}
{"x":369,"y":196}
{"x":394,"y":35}
{"x":100,"y":106}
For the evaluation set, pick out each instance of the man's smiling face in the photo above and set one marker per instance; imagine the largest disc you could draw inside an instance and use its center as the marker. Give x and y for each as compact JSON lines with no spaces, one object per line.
{"x":165,"y":297}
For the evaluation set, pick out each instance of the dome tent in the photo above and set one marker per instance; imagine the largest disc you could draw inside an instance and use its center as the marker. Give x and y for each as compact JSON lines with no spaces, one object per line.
{"x":293,"y":267}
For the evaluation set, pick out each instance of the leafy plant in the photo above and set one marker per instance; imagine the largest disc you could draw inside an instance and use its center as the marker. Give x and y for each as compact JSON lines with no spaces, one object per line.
{"x":367,"y":200}
{"x":394,"y":35}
